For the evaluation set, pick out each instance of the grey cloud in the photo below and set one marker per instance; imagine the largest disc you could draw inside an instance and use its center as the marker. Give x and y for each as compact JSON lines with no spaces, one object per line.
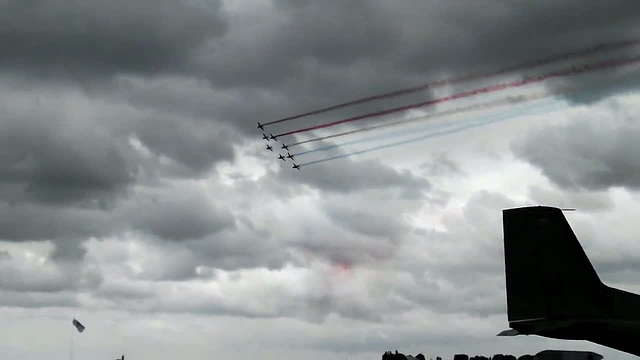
{"x":128,"y":291}
{"x":379,"y":48}
{"x":29,"y":276}
{"x":177,"y":216}
{"x":36,"y":222}
{"x":582,"y":200}
{"x":440,"y":164}
{"x":362,"y":228}
{"x":240,"y":250}
{"x":4,"y":255}
{"x":342,"y":249}
{"x":375,"y":222}
{"x":348,"y":175}
{"x":24,"y":281}
{"x":37,"y":300}
{"x":93,"y":37}
{"x":383,"y":46}
{"x":196,"y":145}
{"x":595,"y":153}
{"x":60,"y":161}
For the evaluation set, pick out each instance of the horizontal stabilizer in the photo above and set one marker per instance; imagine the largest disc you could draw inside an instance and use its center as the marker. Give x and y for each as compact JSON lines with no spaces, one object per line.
{"x":509,"y":332}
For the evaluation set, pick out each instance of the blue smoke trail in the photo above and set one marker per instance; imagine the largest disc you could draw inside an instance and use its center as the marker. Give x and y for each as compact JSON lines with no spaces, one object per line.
{"x":551,"y":106}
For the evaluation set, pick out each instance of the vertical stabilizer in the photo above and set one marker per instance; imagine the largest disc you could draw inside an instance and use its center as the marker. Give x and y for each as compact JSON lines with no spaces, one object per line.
{"x":548,"y":273}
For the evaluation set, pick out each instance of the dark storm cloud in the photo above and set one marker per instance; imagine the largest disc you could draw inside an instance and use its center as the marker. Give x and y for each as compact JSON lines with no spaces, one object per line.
{"x":593,"y":153}
{"x":58,"y":161}
{"x":316,"y":54}
{"x":35,"y":222}
{"x":196,"y":145}
{"x":94,"y":37}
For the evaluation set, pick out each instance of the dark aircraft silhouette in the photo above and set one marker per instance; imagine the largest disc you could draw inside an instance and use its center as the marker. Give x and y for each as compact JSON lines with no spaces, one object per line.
{"x":269,"y":148}
{"x":265,"y":137}
{"x":553,"y":290}
{"x":281,"y":158}
{"x":273,"y":137}
{"x":284,"y":146}
{"x":296,"y":166}
{"x":289,"y":156}
{"x":260,"y":126}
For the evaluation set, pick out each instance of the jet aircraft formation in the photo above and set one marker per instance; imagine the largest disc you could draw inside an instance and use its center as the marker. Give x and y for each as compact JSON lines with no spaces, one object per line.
{"x":616,"y":62}
{"x":552,"y":289}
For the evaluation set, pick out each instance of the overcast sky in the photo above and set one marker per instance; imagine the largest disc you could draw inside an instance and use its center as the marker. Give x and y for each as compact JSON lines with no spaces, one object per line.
{"x":136,"y":194}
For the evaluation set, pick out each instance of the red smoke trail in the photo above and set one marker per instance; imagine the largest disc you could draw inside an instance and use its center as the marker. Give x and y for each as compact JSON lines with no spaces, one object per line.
{"x":573,"y":70}
{"x":520,"y":67}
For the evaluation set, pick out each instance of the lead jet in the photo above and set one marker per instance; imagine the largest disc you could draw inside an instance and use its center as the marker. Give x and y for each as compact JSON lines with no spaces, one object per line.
{"x":289,"y":156}
{"x":282,"y":158}
{"x":269,"y":148}
{"x":260,"y":126}
{"x":553,"y":290}
{"x":284,"y":146}
{"x":265,"y":137}
{"x":296,"y":166}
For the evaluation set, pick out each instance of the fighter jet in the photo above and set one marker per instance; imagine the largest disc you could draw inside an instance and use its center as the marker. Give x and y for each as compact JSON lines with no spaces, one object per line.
{"x":284,"y":146}
{"x":282,"y":158}
{"x":265,"y":137}
{"x":296,"y":166}
{"x":260,"y":126}
{"x":269,"y":148}
{"x":289,"y":156}
{"x":273,"y":137}
{"x":553,"y":290}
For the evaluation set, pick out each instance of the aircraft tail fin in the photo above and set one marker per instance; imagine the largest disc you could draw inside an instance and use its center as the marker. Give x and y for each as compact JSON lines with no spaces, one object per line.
{"x":548,"y":274}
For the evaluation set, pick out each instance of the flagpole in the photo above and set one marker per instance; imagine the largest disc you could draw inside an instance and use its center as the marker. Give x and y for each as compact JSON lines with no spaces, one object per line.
{"x":71,"y":346}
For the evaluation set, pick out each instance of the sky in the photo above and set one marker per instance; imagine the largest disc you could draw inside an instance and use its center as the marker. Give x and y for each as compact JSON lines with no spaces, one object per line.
{"x":136,"y":194}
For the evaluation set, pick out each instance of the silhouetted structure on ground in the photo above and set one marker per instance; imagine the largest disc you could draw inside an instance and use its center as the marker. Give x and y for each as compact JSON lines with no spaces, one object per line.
{"x":503,"y":357}
{"x":567,"y":355}
{"x":393,"y":356}
{"x":478,"y":357}
{"x":543,"y":355}
{"x":388,"y":355}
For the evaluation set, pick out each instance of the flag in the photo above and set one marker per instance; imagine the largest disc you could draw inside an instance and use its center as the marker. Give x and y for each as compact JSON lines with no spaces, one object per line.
{"x":78,"y":326}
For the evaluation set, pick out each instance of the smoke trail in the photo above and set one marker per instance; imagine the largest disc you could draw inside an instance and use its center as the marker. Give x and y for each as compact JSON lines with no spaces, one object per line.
{"x":573,"y":70}
{"x":482,"y":106}
{"x":426,"y":117}
{"x":408,"y":121}
{"x":509,"y":100}
{"x":519,"y":67}
{"x":414,"y":131}
{"x":550,"y":105}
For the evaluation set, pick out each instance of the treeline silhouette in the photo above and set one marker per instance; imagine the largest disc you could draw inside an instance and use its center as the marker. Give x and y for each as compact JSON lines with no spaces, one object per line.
{"x":388,"y":355}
